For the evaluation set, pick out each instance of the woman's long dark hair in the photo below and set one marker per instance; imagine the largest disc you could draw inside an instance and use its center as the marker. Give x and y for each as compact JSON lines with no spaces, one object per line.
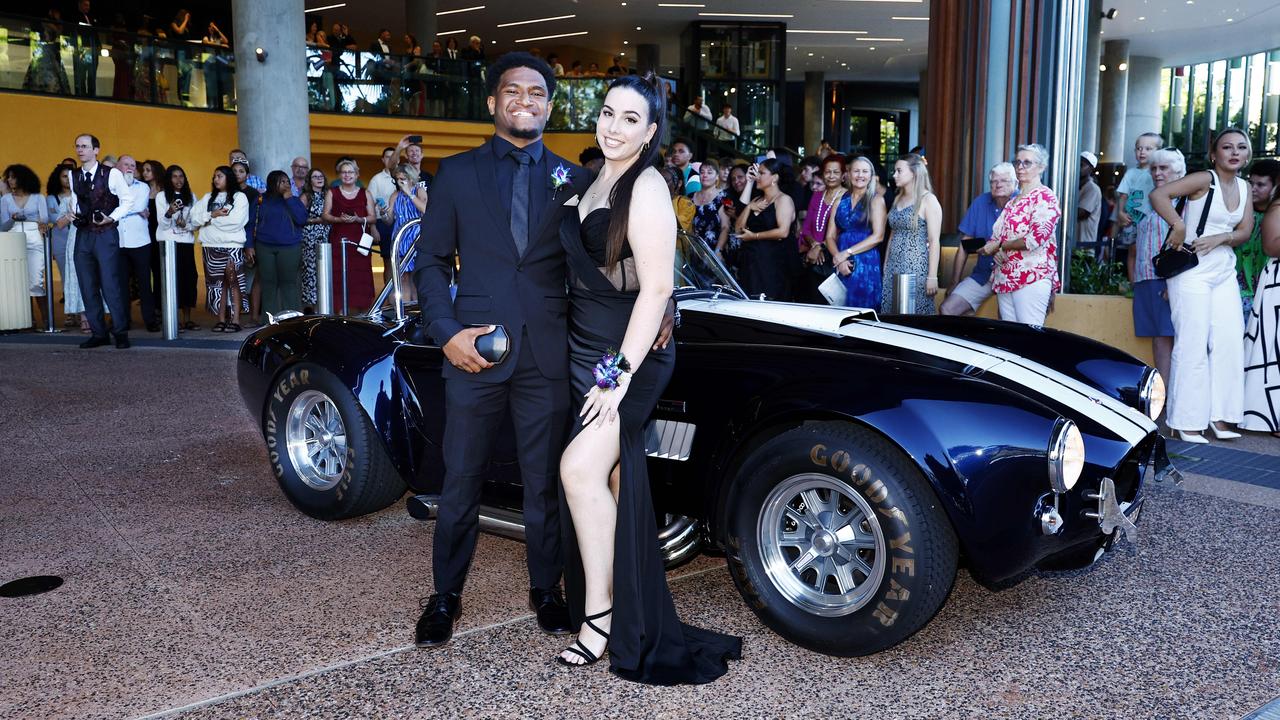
{"x":53,"y":186}
{"x":185,"y":193}
{"x":28,"y":181}
{"x":273,"y":179}
{"x":232,"y":186}
{"x":650,"y":88}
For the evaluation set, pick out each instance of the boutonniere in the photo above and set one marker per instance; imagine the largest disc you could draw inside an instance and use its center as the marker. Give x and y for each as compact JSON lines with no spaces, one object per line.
{"x":559,"y":178}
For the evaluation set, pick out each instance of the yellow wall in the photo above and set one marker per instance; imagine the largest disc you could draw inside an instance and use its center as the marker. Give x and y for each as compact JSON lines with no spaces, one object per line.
{"x":199,"y":141}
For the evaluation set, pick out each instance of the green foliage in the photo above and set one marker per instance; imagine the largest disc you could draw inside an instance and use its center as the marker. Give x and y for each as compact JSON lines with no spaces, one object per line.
{"x":1091,"y":277}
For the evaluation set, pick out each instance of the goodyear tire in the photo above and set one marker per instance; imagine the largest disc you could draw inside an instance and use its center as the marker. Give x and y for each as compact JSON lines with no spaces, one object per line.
{"x":323,"y":449}
{"x":837,"y":542}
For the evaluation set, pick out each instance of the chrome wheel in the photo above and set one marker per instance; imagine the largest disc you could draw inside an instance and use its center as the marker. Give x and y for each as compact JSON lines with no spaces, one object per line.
{"x":822,"y":546}
{"x":317,"y":440}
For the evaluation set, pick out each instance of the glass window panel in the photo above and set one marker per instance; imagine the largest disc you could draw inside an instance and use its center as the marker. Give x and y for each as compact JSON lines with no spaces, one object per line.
{"x":1235,"y":97}
{"x":1198,"y":141}
{"x":1257,"y":71}
{"x":759,"y":107}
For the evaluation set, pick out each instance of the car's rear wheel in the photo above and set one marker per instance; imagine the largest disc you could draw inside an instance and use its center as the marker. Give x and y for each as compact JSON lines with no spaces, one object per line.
{"x":837,"y":542}
{"x":326,"y":456}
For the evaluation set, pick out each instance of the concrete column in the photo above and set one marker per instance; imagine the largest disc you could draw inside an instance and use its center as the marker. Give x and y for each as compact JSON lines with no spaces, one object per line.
{"x":1142,"y":107}
{"x":271,"y":95}
{"x":649,"y":57}
{"x":1112,"y":99}
{"x":814,"y":109}
{"x":994,"y":131}
{"x":420,"y":18}
{"x":1092,"y":58}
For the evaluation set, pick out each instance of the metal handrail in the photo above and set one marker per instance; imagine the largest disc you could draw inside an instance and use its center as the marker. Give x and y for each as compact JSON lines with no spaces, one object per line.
{"x":393,"y":287}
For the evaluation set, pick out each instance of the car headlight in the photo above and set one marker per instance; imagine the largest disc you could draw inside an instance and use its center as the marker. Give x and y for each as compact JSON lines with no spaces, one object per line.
{"x":1151,"y":397}
{"x":1066,"y":456}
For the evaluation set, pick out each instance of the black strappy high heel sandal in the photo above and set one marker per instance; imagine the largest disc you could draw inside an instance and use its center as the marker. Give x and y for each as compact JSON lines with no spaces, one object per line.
{"x":583,"y":651}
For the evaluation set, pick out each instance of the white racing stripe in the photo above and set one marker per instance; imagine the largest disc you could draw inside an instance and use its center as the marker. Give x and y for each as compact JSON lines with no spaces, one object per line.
{"x":1129,"y":423}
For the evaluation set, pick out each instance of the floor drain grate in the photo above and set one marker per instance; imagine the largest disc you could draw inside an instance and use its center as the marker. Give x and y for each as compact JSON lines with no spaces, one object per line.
{"x":30,"y":586}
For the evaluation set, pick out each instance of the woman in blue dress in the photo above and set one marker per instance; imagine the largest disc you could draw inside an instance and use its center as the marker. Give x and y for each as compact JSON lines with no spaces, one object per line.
{"x":408,"y":202}
{"x":854,"y":238}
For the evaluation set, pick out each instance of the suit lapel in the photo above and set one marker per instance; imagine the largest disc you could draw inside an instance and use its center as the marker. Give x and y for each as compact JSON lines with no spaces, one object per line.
{"x":487,"y":180}
{"x":555,"y":209}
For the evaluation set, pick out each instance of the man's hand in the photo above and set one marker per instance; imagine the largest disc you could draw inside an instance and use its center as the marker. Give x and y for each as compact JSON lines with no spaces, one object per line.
{"x":1122,"y":218}
{"x":461,"y":350}
{"x":249,"y":255}
{"x":668,"y":326}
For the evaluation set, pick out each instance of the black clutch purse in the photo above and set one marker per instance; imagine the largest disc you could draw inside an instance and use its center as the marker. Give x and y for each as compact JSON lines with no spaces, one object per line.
{"x":1170,"y":262}
{"x":494,"y":346}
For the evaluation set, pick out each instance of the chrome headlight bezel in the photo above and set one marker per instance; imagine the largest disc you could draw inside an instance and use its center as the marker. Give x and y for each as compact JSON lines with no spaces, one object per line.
{"x":1065,"y":456}
{"x":1152,"y":394}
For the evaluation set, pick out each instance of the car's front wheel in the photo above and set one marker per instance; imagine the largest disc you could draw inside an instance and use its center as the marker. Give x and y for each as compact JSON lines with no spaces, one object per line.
{"x":837,"y":542}
{"x":325,"y":454}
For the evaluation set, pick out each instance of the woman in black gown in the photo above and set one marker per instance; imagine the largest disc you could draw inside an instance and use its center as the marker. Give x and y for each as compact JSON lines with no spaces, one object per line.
{"x":620,"y":247}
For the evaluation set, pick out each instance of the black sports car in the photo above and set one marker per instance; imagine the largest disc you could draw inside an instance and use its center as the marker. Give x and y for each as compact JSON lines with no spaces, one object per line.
{"x":843,"y":463}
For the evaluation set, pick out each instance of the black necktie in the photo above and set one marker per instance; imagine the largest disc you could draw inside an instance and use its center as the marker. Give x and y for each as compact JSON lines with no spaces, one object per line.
{"x":520,"y":200}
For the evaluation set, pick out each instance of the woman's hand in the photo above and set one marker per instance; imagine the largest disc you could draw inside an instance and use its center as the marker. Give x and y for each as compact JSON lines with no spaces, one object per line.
{"x":602,"y":405}
{"x":844,"y":267}
{"x":931,"y":286}
{"x":989,"y":248}
{"x":1204,"y":244}
{"x":1177,"y":236}
{"x":249,"y":255}
{"x":814,"y":256}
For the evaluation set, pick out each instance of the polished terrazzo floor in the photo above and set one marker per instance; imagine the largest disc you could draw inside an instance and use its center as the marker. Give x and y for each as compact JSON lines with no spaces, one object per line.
{"x":194,"y":589}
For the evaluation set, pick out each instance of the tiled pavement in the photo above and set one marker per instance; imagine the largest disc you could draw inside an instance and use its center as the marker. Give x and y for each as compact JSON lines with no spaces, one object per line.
{"x":194,"y":589}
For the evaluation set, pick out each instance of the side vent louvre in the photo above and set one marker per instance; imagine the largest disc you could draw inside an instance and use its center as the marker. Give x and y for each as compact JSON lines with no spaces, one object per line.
{"x":668,"y":439}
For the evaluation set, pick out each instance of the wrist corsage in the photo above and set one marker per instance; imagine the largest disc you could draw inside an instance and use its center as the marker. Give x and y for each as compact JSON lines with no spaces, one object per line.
{"x":609,"y":371}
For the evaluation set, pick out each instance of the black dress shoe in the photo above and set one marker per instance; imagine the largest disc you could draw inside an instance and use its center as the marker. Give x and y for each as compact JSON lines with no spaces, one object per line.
{"x":435,"y":626}
{"x":553,"y":614}
{"x":122,"y":341}
{"x":95,"y":341}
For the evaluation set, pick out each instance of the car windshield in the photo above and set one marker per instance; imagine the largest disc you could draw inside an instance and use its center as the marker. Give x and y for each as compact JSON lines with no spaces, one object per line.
{"x":697,"y":268}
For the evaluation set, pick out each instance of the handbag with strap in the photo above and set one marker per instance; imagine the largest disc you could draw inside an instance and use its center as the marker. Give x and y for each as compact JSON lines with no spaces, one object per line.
{"x":1170,"y":261}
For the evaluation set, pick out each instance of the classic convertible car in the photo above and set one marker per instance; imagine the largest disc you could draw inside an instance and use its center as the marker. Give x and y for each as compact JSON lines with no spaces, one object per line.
{"x":845,"y":464}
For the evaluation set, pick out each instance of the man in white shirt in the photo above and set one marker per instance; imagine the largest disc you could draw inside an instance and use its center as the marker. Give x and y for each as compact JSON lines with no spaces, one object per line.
{"x":727,"y":125}
{"x":1088,"y":205}
{"x":135,"y":244}
{"x":100,"y":198}
{"x":381,"y":187}
{"x":697,"y":109}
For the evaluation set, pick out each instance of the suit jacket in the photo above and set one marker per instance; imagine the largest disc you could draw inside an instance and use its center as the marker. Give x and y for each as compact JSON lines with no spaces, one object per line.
{"x":496,"y":285}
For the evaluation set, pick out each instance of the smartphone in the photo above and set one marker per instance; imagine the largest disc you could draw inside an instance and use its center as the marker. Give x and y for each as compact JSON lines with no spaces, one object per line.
{"x":415,"y":138}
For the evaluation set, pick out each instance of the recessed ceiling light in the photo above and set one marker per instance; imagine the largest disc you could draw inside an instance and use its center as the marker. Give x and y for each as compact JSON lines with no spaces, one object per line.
{"x":1142,"y":17}
{"x":552,"y":37}
{"x":745,"y":15}
{"x":909,"y":17}
{"x":883,"y":39}
{"x":450,"y":32}
{"x":626,"y":42}
{"x":639,"y":28}
{"x":537,"y":20}
{"x":690,"y":5}
{"x":460,"y":10}
{"x":829,"y":32}
{"x":810,"y":54}
{"x":873,"y":47}
{"x":326,"y":7}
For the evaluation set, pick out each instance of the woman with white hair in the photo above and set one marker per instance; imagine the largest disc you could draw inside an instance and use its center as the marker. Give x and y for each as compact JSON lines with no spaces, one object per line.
{"x":1022,"y":240}
{"x":1207,"y":370}
{"x":348,"y":210}
{"x":1151,"y":314}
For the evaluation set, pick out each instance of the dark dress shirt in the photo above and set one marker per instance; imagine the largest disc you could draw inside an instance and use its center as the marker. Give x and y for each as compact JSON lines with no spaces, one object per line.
{"x":539,"y":179}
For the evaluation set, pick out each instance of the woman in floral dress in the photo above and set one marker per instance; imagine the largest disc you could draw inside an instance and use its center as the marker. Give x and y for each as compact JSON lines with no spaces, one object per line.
{"x":315,"y":233}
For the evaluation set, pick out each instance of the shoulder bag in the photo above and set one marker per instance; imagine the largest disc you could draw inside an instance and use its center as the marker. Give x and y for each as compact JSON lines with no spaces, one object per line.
{"x":1170,"y":262}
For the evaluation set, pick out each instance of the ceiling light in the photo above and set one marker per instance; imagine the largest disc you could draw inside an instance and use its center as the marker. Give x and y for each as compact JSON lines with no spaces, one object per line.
{"x":1122,"y":67}
{"x":694,"y":5}
{"x":1110,"y":14}
{"x":873,"y":47}
{"x":1102,"y":67}
{"x":639,"y":28}
{"x":326,"y":7}
{"x":810,"y":54}
{"x":450,"y":32}
{"x":626,"y":42}
{"x":884,"y":39}
{"x":538,"y":20}
{"x":745,"y":15}
{"x":910,"y":17}
{"x":552,"y":37}
{"x":829,"y":32}
{"x":1142,"y":17}
{"x":460,"y":10}
{"x":883,"y":1}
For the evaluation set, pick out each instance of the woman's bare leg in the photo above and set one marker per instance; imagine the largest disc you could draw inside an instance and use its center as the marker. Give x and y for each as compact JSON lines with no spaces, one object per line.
{"x":231,"y":283}
{"x":585,"y":470}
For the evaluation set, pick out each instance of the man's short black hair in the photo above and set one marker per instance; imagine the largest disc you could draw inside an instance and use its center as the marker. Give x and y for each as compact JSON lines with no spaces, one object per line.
{"x":811,"y":161}
{"x":590,"y":153}
{"x":514,"y":60}
{"x":683,"y":141}
{"x":388,"y":149}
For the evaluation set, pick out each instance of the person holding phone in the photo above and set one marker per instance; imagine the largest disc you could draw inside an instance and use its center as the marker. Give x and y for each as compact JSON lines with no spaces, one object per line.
{"x":220,"y":217}
{"x":173,"y":222}
{"x":408,"y":202}
{"x":765,"y":229}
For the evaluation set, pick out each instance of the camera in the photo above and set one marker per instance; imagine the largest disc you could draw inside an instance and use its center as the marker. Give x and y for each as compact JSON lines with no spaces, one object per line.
{"x":99,"y":217}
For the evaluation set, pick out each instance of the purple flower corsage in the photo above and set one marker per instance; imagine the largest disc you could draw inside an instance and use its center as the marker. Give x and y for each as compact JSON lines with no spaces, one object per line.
{"x":559,"y":178}
{"x":609,"y":370}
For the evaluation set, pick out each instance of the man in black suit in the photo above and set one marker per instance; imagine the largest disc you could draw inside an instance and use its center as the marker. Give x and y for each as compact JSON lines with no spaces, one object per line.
{"x":495,"y":208}
{"x":499,"y":209}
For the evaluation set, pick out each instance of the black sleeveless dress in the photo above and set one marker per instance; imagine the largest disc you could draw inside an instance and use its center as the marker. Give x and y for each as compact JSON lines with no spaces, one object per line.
{"x":763,"y":265}
{"x":647,"y":643}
